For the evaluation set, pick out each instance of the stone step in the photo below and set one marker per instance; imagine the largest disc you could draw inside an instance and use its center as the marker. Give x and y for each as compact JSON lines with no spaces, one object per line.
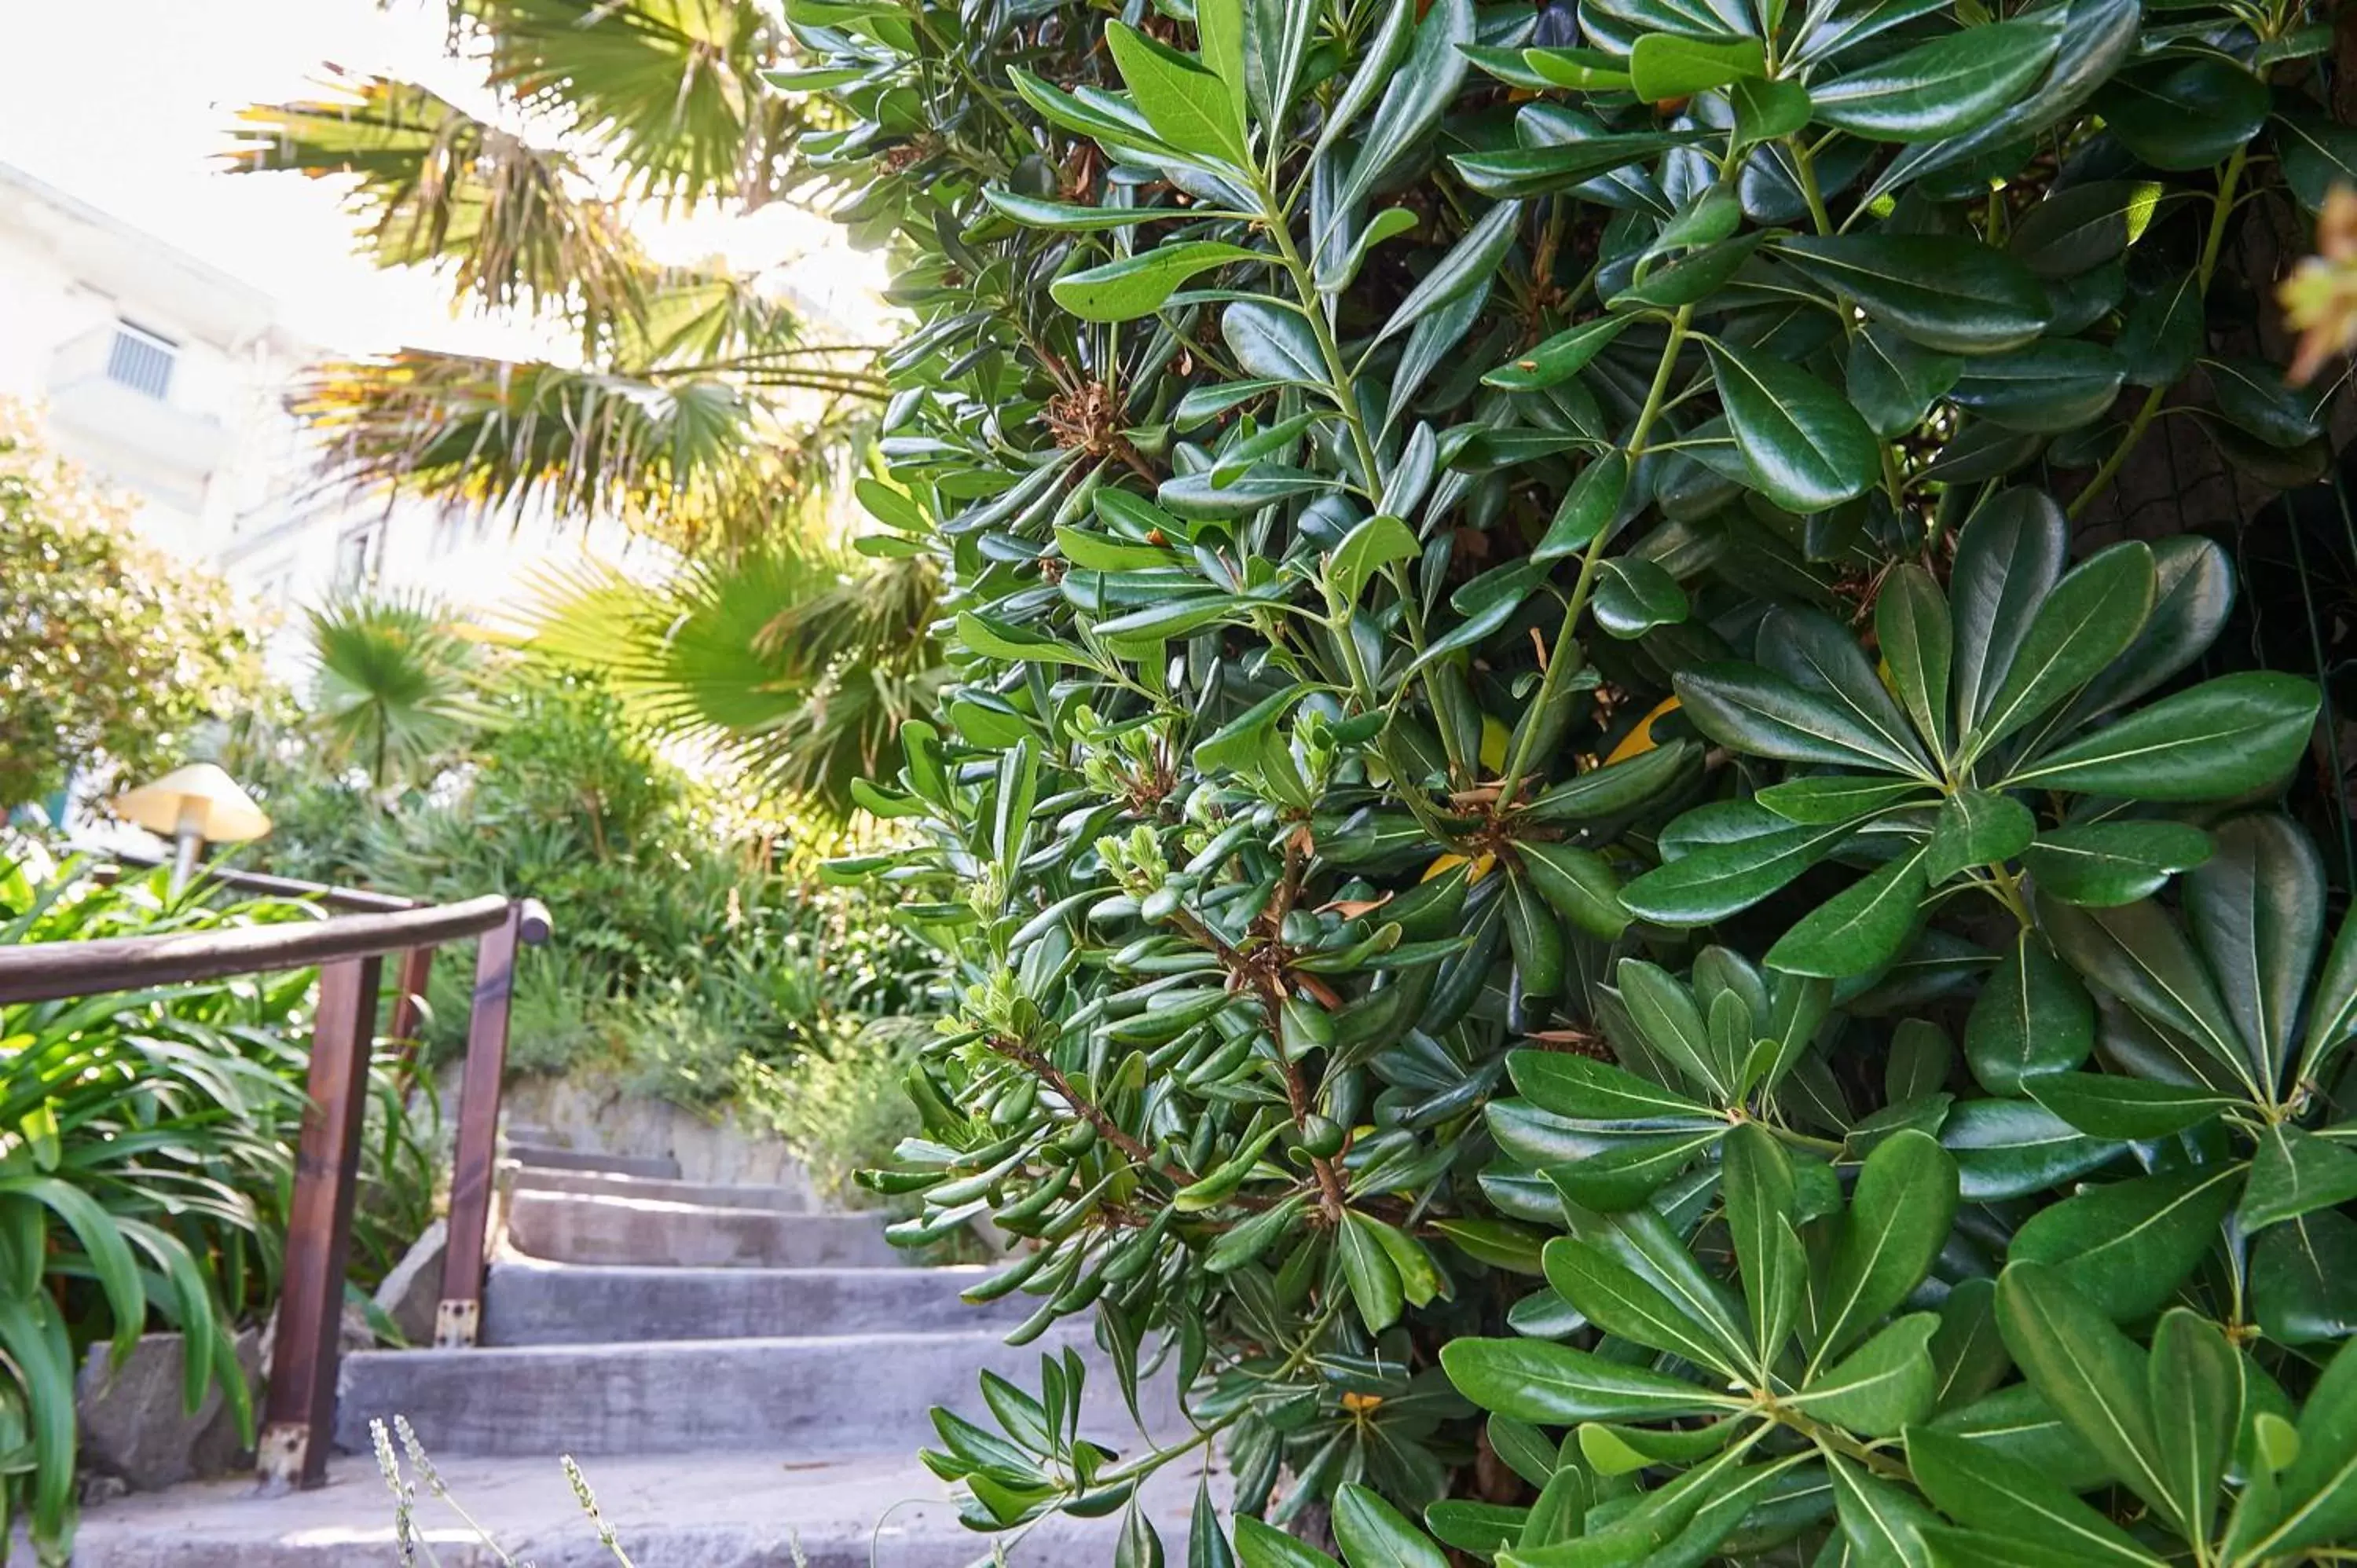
{"x":662,"y":1167}
{"x":609,"y":1184}
{"x":526,"y":1302}
{"x":730,"y":1509}
{"x":807,"y":1398}
{"x":574,"y":1228}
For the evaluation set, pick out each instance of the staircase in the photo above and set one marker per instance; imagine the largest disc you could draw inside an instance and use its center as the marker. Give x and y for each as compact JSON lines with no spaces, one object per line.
{"x":738,"y":1372}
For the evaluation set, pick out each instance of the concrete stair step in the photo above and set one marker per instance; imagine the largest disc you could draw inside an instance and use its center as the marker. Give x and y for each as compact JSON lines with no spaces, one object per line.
{"x":728,"y":1509}
{"x":810,"y":1398}
{"x":662,"y":1167}
{"x":575,"y":1227}
{"x":526,"y":1302}
{"x":612,"y":1183}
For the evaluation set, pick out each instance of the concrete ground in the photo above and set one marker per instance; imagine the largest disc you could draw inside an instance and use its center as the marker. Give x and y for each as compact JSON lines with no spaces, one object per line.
{"x":719,"y":1510}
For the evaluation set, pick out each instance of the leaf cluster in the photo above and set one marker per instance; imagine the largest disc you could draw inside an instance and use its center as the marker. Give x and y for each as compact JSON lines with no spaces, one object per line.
{"x":1529,"y":655}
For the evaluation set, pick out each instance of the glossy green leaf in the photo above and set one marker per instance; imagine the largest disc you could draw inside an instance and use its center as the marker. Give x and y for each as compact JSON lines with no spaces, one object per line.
{"x":1975,"y":828}
{"x":2128,"y":1245}
{"x":1633,"y":596}
{"x":1666,"y":65}
{"x":2011,"y":1148}
{"x":1579,"y":883}
{"x":1894,"y":382}
{"x":1808,"y":447}
{"x":2089,"y":618}
{"x":1766,"y":110}
{"x":2196,"y":1378}
{"x":1885,"y":1384}
{"x":1273,"y":343}
{"x":1620,"y":1301}
{"x":2296,"y":1173}
{"x":1415,"y":97}
{"x":2225,"y":738}
{"x":1470,"y":261}
{"x":1365,"y":551}
{"x":1943,"y":87}
{"x":2032,"y":1018}
{"x":1560,"y":358}
{"x":1960,"y":298}
{"x":1756,"y":711}
{"x":2108,"y":1106}
{"x":1558,"y":1386}
{"x":2048,"y":386}
{"x":1858,"y":930}
{"x":2185,"y":113}
{"x":1371,"y":1531}
{"x":1713,"y":881}
{"x":1916,"y":637}
{"x":1189,"y":107}
{"x":1264,"y":1546}
{"x":2102,"y":865}
{"x":1541,"y":170}
{"x":1588,"y":508}
{"x":1895,"y":1224}
{"x":2078,"y":228}
{"x":1881,"y":1524}
{"x":2088,"y":1370}
{"x":2012,"y":1500}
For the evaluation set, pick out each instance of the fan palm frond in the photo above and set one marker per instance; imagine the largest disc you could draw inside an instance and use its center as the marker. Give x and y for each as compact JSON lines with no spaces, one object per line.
{"x":670,"y":90}
{"x":796,"y":660}
{"x":394,"y":691}
{"x":435,"y":185}
{"x":694,"y":459}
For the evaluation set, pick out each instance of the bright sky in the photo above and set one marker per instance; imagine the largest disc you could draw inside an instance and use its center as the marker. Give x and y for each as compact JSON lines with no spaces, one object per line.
{"x":124,"y":104}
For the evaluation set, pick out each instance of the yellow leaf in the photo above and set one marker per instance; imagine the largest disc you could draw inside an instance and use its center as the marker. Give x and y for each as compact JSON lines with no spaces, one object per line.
{"x":1639,"y":741}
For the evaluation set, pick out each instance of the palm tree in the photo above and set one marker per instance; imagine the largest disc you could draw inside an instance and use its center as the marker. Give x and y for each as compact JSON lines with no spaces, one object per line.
{"x":393,"y":687}
{"x":797,"y":661}
{"x":700,"y":407}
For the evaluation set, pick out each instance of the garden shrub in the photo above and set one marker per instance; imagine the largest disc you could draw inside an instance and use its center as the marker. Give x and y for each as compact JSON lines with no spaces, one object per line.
{"x":1586,"y":895}
{"x":110,"y":653}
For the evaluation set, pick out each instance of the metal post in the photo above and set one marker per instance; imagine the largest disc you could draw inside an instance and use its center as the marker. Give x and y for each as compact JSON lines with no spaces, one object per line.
{"x":459,"y":1317}
{"x":299,"y":1408}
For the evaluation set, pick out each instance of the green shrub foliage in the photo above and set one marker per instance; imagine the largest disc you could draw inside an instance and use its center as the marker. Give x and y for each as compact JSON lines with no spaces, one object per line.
{"x":1589,"y":899}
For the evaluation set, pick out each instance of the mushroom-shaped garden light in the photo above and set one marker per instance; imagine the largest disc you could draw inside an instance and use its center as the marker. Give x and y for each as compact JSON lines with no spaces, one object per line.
{"x":190,"y":805}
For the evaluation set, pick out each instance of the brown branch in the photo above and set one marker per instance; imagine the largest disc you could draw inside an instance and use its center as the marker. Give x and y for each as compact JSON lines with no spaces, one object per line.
{"x":1095,"y":1115}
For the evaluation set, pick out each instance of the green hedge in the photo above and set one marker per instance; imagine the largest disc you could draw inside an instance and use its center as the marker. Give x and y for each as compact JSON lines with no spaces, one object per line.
{"x":1585,"y":893}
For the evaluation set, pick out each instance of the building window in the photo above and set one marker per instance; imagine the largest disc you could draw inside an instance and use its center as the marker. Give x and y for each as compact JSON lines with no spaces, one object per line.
{"x":140,"y":361}
{"x":355,"y":554}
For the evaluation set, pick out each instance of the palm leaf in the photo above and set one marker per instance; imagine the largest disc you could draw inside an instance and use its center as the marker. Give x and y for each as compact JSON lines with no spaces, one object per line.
{"x":796,"y":659}
{"x":395,"y":684}
{"x":670,"y":90}
{"x":433,"y":184}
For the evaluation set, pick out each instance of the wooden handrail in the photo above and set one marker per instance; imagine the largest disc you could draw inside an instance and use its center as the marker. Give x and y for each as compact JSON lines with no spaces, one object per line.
{"x":350,"y":899}
{"x":46,"y":971}
{"x":298,"y":1406}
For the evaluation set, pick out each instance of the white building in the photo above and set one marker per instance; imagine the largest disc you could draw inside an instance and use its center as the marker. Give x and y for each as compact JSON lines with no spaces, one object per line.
{"x":166,"y":378}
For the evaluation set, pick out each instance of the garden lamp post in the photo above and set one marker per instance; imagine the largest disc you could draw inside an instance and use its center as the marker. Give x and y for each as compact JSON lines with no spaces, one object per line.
{"x":188,"y":805}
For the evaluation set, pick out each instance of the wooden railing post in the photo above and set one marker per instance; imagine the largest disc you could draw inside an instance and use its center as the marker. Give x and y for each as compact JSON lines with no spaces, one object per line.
{"x":299,"y":1408}
{"x":458,"y":1318}
{"x":408,"y":1003}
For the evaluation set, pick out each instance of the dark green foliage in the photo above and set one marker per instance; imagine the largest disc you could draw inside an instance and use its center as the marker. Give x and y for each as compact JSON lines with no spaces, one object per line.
{"x":1560,"y":833}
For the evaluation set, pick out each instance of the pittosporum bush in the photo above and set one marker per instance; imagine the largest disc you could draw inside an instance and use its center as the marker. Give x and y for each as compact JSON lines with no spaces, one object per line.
{"x":1590,"y":902}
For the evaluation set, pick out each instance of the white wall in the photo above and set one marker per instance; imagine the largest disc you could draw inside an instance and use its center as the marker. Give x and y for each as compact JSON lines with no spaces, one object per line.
{"x":218,"y":471}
